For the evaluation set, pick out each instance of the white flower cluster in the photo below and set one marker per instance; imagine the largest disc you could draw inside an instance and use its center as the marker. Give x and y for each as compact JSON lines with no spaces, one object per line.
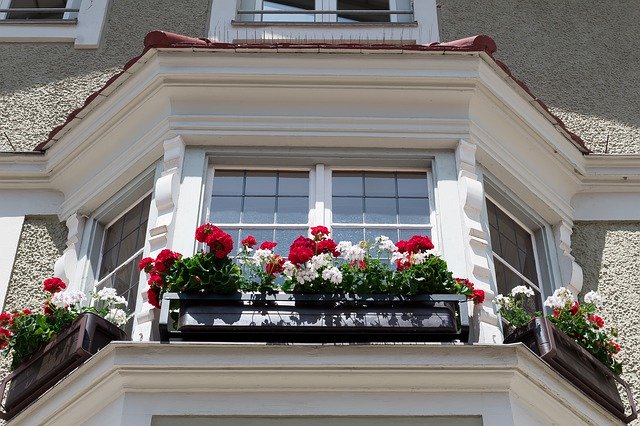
{"x":110,"y":295}
{"x":319,"y":265}
{"x":261,"y":256}
{"x":561,"y":297}
{"x":385,"y":243}
{"x":117,"y":316}
{"x":66,"y":298}
{"x":351,"y":252}
{"x":397,"y":256}
{"x":594,"y":298}
{"x":522,"y":289}
{"x":503,"y":301}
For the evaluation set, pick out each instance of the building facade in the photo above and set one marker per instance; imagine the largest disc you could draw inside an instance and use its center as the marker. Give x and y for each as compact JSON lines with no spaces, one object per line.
{"x":122,"y":120}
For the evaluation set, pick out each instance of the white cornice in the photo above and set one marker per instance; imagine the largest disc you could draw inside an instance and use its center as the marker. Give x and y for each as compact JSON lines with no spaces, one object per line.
{"x":415,"y":377}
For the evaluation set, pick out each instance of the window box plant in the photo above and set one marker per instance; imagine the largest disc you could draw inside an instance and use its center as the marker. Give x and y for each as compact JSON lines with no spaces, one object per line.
{"x":47,"y":346}
{"x":321,"y":292}
{"x":574,"y":342}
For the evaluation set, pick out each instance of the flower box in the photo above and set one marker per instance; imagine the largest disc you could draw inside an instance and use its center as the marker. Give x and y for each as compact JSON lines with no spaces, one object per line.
{"x":69,"y":349}
{"x":314,"y":318}
{"x":576,"y":364}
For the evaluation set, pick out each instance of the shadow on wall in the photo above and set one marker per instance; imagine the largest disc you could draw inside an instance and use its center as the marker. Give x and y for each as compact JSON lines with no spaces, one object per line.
{"x":579,"y":56}
{"x":609,"y":254}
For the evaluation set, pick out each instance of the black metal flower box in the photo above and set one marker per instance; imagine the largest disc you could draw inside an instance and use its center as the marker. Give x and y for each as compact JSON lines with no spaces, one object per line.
{"x":576,"y":364}
{"x":69,"y":349}
{"x":313,"y":318}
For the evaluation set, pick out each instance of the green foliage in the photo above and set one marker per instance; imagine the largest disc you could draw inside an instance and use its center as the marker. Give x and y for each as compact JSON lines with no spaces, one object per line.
{"x":372,"y":276}
{"x":317,"y":286}
{"x":432,"y":276}
{"x":203,"y":273}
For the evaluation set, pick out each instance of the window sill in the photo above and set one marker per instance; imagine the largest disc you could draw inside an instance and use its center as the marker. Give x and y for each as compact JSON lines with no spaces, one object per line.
{"x":323,"y":24}
{"x":38,"y":21}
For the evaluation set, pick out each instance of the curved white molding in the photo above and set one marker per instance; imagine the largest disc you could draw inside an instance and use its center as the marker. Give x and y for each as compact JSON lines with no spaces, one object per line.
{"x":570,"y":271}
{"x":471,"y":193}
{"x":65,"y":266}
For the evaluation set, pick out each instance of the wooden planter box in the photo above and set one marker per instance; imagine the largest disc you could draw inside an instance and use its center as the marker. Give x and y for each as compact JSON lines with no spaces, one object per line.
{"x":66,"y":351}
{"x":245,"y":317}
{"x":576,"y":364}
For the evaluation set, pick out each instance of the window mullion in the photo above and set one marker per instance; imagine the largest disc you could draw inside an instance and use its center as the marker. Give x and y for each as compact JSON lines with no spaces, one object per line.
{"x":320,"y":195}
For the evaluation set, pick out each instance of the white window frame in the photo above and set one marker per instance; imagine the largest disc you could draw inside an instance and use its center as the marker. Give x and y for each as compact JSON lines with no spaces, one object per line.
{"x":539,"y":287}
{"x":85,"y":31}
{"x":320,"y":196}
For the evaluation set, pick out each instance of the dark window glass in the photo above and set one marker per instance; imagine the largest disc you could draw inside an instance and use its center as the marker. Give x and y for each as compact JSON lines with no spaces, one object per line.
{"x":36,"y":4}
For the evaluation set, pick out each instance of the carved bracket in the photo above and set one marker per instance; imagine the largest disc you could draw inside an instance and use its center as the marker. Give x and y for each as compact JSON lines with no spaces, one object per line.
{"x":65,"y":266}
{"x":570,"y":271}
{"x":471,"y":193}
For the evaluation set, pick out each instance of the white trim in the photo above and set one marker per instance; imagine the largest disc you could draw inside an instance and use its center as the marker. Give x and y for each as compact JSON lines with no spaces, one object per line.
{"x":11,"y":230}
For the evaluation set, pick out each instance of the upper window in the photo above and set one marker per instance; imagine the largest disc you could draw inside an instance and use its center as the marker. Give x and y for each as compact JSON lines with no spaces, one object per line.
{"x":514,"y":254}
{"x":42,"y":10}
{"x":357,"y":205}
{"x":122,"y":248}
{"x":326,"y":11}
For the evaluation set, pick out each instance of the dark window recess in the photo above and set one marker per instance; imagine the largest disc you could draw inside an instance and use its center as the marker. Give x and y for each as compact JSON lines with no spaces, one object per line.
{"x":513,"y":255}
{"x":37,"y":4}
{"x":364,"y":5}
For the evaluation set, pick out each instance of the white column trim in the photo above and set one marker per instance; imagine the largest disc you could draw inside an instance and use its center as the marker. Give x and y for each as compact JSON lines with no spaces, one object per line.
{"x":65,"y":266}
{"x":570,"y":271}
{"x":11,"y":231}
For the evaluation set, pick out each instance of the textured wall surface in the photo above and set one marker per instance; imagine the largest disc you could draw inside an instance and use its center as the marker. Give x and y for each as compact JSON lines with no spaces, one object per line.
{"x":41,"y":242}
{"x":579,"y":56}
{"x":609,"y":254}
{"x":40,"y":83}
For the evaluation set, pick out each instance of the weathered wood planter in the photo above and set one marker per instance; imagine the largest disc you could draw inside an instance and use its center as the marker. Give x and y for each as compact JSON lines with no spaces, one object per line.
{"x":66,"y":351}
{"x":576,"y":364}
{"x":314,"y":318}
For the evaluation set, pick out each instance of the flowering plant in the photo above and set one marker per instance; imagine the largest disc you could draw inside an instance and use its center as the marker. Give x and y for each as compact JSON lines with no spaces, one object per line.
{"x":22,"y":332}
{"x":313,"y":265}
{"x":578,"y":320}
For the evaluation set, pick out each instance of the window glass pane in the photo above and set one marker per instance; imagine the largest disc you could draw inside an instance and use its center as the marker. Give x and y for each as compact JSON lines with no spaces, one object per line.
{"x":228,"y":182}
{"x":131,"y":220}
{"x":259,"y":210}
{"x":292,"y":183}
{"x":354,"y":235}
{"x":128,"y":247}
{"x":347,"y":210}
{"x":413,"y":210}
{"x":288,"y":5}
{"x":226,"y":209}
{"x":109,"y":261}
{"x":113,"y":235}
{"x":347,"y":183}
{"x":509,"y":252}
{"x":260,"y":183}
{"x":405,"y":234}
{"x":365,"y":5}
{"x":507,"y":279}
{"x":261,"y":235}
{"x":293,"y":210}
{"x":379,"y":185}
{"x":412,"y":185}
{"x":285,"y":237}
{"x":372,"y":233}
{"x":36,"y":4}
{"x":380,"y":210}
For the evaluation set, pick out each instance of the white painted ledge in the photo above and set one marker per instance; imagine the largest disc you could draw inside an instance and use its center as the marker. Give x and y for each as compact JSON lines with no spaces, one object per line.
{"x":132,"y":383}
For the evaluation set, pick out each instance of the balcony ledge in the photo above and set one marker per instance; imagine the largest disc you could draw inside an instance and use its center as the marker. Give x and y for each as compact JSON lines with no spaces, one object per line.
{"x":137,"y":382}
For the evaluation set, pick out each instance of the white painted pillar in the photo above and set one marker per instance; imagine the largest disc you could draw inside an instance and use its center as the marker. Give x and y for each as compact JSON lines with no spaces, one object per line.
{"x":66,"y":265}
{"x":11,"y":228}
{"x":570,"y":271}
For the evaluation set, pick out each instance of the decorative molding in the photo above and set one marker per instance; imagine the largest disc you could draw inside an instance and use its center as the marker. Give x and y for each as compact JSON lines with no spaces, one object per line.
{"x":65,"y":266}
{"x":570,"y":271}
{"x":471,"y":193}
{"x":166,"y":193}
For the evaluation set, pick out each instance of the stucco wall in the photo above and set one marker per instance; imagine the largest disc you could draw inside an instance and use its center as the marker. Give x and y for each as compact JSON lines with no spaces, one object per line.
{"x":609,"y":254}
{"x":579,"y":56}
{"x":42,"y":82}
{"x":41,"y":242}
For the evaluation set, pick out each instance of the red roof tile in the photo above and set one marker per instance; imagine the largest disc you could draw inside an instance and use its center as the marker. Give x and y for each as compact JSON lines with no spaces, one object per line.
{"x":167,"y":40}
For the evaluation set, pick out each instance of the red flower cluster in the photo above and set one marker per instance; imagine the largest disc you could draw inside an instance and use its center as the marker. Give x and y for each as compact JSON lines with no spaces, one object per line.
{"x":165,"y":259}
{"x":157,"y":269}
{"x":319,"y":232}
{"x":220,"y":244}
{"x":595,"y":319}
{"x":415,"y":244}
{"x":328,"y":246}
{"x":53,"y":285}
{"x":614,"y":348}
{"x":472,"y":293}
{"x":4,"y":337}
{"x":575,"y":308}
{"x":250,"y":241}
{"x":268,"y":245}
{"x":203,"y":231}
{"x":275,"y":265}
{"x":302,"y":250}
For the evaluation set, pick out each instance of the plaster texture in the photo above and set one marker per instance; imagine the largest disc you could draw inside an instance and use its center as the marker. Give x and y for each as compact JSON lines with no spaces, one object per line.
{"x":42,"y":82}
{"x":42,"y":241}
{"x":608,"y":253}
{"x":579,"y":56}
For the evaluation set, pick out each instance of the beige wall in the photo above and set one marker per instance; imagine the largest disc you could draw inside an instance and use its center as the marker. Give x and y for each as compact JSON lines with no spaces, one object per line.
{"x":579,"y":56}
{"x":41,"y":83}
{"x":609,"y":253}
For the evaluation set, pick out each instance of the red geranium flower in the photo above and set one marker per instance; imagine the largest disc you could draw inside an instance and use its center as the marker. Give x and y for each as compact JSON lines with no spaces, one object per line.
{"x":465,"y":282}
{"x":574,"y":308}
{"x":419,"y":243}
{"x":5,"y":319}
{"x":402,"y":246}
{"x":360,"y":264}
{"x":319,"y":231}
{"x":478,"y":296}
{"x":250,"y":241}
{"x":48,"y":309}
{"x":268,"y":245}
{"x":598,"y":321}
{"x":27,"y":311}
{"x":275,"y":266}
{"x":4,"y":337}
{"x":203,"y":231}
{"x":328,"y":246}
{"x":165,"y":259}
{"x":300,"y":254}
{"x":53,"y":285}
{"x":614,"y":347}
{"x":155,"y":280}
{"x":145,"y":264}
{"x":220,"y":243}
{"x":152,"y":297}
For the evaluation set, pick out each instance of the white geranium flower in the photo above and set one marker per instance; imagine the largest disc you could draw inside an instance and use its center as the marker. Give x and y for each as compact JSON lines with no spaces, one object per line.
{"x":332,"y":274}
{"x":420,"y":258}
{"x":396,"y":256}
{"x":289,"y":269}
{"x":117,"y":316}
{"x":560,"y":298}
{"x":385,"y":243}
{"x":502,"y":301}
{"x":522,"y":289}
{"x":107,"y":293}
{"x":66,"y":298}
{"x":354,"y":253}
{"x":594,"y":298}
{"x":343,"y":246}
